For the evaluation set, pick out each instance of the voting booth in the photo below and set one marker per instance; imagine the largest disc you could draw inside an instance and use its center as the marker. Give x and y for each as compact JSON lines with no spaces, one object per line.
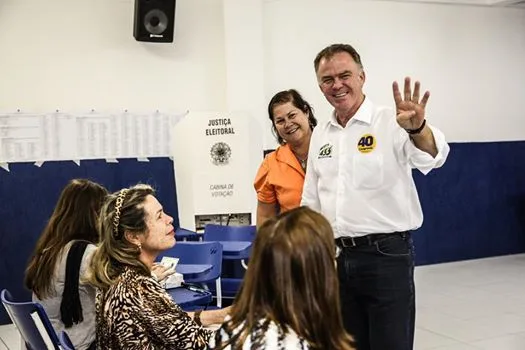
{"x":215,"y":158}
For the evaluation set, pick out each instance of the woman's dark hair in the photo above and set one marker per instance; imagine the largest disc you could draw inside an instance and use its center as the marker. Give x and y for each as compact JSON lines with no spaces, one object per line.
{"x":298,"y":101}
{"x":292,"y":281}
{"x":74,"y":218}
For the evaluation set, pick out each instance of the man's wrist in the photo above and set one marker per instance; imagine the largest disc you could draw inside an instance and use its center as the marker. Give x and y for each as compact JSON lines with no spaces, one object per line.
{"x":418,"y":130}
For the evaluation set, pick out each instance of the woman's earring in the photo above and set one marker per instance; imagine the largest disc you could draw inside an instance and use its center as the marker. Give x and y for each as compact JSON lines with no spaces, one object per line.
{"x":139,"y":246}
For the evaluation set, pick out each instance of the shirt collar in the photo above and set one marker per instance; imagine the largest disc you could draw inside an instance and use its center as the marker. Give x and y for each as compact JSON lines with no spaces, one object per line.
{"x":363,"y":114}
{"x":285,"y":154}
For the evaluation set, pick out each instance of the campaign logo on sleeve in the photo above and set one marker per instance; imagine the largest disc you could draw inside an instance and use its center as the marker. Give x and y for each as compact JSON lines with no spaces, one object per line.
{"x":366,"y":143}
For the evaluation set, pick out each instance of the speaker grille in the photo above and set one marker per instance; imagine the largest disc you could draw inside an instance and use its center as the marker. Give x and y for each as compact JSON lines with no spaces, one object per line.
{"x":154,"y":20}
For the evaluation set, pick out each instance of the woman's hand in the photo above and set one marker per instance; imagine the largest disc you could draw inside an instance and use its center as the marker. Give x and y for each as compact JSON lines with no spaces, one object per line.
{"x":161,"y":272}
{"x":213,"y":317}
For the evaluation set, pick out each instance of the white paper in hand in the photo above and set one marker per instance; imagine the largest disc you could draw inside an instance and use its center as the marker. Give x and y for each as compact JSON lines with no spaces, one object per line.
{"x":169,"y":262}
{"x":175,"y":280}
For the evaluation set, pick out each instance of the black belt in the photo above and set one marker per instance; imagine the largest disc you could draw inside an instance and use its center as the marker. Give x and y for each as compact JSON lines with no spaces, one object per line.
{"x":350,"y":242}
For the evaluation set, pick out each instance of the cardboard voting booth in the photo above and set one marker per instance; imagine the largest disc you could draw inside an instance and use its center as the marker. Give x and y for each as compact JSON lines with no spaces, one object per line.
{"x":215,"y":158}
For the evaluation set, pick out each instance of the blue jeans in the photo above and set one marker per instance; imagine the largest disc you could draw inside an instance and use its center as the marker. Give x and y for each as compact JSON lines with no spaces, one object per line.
{"x":377,"y":293}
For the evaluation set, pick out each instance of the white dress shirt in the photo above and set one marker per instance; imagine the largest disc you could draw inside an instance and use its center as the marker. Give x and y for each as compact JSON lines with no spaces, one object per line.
{"x":360,"y":176}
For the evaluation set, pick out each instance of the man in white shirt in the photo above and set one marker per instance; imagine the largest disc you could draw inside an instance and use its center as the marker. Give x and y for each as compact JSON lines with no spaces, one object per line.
{"x":359,"y":175}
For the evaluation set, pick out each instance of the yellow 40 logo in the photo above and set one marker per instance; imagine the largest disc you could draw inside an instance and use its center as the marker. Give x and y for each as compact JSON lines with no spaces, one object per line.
{"x":366,"y":143}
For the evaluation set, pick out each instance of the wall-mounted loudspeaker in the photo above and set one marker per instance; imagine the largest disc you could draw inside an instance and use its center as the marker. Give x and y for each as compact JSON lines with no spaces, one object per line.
{"x":154,"y":20}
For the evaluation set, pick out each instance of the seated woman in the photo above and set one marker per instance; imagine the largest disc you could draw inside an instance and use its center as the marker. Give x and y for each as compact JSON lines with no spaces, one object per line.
{"x":290,"y":295}
{"x":58,"y":267}
{"x":133,"y":311}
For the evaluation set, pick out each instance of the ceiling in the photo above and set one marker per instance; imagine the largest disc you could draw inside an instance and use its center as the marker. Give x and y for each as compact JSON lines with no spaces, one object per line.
{"x":490,"y":3}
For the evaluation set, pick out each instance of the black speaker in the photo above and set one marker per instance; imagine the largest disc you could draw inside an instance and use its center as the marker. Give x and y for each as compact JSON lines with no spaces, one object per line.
{"x":154,"y":20}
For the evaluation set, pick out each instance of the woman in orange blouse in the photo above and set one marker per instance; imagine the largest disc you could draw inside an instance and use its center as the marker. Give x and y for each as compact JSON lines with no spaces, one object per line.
{"x":279,"y":181}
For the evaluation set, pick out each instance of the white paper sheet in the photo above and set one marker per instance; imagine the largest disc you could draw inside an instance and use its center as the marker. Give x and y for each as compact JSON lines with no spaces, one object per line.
{"x":65,"y":136}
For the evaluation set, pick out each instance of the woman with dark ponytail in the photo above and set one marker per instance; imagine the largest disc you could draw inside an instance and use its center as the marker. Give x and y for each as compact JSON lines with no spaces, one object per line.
{"x":57,"y":270}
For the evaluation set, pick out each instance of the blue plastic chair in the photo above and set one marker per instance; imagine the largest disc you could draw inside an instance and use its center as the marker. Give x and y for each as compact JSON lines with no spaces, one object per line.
{"x":22,"y":313}
{"x":66,"y":343}
{"x":208,"y":253}
{"x":182,"y":234}
{"x":212,"y":232}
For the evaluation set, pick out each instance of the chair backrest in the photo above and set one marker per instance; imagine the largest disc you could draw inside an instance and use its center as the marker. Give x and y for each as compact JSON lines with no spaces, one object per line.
{"x":66,"y":343}
{"x":182,"y":234}
{"x":32,"y":323}
{"x":233,"y":272}
{"x":214,"y":232}
{"x":209,"y":253}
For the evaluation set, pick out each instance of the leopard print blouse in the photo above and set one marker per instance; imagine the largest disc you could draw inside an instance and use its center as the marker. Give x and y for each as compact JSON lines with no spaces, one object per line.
{"x":137,"y":313}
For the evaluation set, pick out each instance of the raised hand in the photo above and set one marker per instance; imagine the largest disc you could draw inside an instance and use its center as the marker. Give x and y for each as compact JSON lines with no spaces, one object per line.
{"x":410,"y":111}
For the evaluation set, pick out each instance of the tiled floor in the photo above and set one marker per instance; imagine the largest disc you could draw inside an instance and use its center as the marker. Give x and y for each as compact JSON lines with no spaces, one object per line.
{"x":471,"y":305}
{"x":477,"y":304}
{"x":9,"y":337}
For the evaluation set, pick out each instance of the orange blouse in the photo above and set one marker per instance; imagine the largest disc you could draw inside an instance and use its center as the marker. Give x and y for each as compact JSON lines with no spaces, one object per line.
{"x":280,"y":179}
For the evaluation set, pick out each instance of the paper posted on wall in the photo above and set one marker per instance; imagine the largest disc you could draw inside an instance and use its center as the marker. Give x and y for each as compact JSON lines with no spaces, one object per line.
{"x":60,"y":136}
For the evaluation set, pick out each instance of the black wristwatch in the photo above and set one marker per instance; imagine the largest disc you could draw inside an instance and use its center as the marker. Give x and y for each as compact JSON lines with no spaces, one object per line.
{"x":418,"y":130}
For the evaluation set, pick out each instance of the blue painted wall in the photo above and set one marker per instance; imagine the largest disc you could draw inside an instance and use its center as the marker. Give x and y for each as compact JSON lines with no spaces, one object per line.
{"x":28,"y":195}
{"x":474,"y":205}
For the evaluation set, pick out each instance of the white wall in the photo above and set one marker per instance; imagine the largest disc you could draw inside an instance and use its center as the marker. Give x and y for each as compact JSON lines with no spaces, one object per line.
{"x":73,"y":54}
{"x":472,"y":59}
{"x":244,"y":49}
